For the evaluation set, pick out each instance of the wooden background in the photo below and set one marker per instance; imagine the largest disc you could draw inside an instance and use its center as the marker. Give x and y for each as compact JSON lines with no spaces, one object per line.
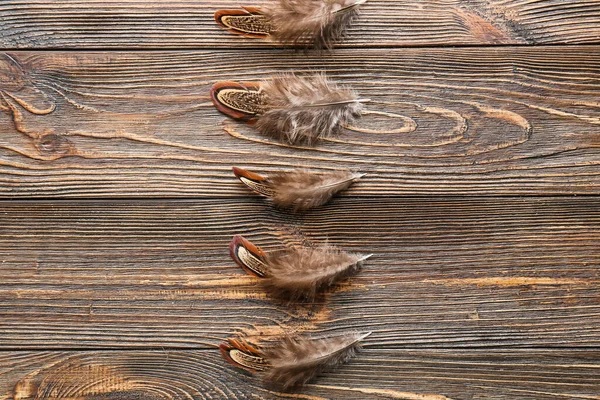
{"x":482,"y":151}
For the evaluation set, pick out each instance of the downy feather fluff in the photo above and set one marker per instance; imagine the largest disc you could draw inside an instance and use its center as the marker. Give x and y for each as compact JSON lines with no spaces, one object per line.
{"x":310,"y":22}
{"x":288,"y":107}
{"x":296,"y":273}
{"x":295,"y":360}
{"x":306,"y":108}
{"x":299,"y":189}
{"x":317,"y":23}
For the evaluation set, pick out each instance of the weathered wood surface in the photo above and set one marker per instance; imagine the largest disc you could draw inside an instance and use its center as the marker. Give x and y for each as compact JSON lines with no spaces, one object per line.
{"x":447,"y":274}
{"x":376,"y":374}
{"x":189,"y":23}
{"x":451,"y":121}
{"x":472,"y":297}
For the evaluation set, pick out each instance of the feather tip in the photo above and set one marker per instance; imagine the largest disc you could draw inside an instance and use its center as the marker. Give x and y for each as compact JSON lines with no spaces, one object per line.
{"x":238,"y":100}
{"x":248,"y":256}
{"x":248,"y":22}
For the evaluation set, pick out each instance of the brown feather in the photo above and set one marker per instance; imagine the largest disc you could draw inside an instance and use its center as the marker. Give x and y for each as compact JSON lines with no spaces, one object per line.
{"x":290,"y":108}
{"x":297,"y":360}
{"x":318,"y":23}
{"x":305,"y":23}
{"x":293,"y":361}
{"x":299,"y":189}
{"x":296,"y":273}
{"x":305,"y":109}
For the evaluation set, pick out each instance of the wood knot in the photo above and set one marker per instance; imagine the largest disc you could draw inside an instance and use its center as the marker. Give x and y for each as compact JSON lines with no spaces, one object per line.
{"x":51,"y":143}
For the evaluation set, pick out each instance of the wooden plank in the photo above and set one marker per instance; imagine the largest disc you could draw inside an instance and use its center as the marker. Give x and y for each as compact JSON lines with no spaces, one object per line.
{"x":447,"y":273}
{"x":466,"y":121}
{"x":374,"y":374}
{"x":190,"y":23}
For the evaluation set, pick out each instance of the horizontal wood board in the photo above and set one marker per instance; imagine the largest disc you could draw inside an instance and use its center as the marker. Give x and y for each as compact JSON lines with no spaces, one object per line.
{"x":507,"y":121}
{"x":376,"y":374}
{"x":44,"y":24}
{"x":446,"y":274}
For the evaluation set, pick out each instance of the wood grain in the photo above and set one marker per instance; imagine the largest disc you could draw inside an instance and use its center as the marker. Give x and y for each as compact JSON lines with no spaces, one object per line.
{"x":509,"y":121}
{"x":190,"y":23}
{"x":128,"y":296}
{"x":373,"y":374}
{"x":447,"y":273}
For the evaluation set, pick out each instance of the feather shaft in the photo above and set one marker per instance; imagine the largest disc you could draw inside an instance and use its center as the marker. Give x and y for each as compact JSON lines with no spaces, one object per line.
{"x":337,"y":103}
{"x":350,"y":6}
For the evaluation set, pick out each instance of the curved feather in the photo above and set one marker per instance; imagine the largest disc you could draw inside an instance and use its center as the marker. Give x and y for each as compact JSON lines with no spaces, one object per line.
{"x":299,"y":189}
{"x":296,"y":273}
{"x":319,"y":23}
{"x":304,"y":109}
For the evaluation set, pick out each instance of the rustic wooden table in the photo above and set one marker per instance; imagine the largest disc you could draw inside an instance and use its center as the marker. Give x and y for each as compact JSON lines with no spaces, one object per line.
{"x":480,"y":203}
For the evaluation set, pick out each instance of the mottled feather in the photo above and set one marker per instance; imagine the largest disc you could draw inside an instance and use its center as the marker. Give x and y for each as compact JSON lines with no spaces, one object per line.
{"x":297,"y":273}
{"x":297,"y":360}
{"x":299,"y":189}
{"x":292,"y":361}
{"x":300,"y":273}
{"x":318,"y":23}
{"x":305,"y":109}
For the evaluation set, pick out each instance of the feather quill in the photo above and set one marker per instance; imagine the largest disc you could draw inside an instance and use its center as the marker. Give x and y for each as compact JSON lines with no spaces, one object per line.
{"x":299,"y":189}
{"x":296,"y":273}
{"x":318,"y":23}
{"x":290,"y":108}
{"x":293,"y":361}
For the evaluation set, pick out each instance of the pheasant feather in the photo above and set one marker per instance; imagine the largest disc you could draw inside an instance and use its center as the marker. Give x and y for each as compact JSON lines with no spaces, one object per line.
{"x":293,"y":361}
{"x":296,"y":273}
{"x":290,"y":108}
{"x":299,"y":189}
{"x":305,"y":23}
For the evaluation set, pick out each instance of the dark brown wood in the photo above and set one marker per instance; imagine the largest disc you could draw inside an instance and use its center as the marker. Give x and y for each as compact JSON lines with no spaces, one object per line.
{"x":463,"y":121}
{"x":447,"y":273}
{"x":472,"y":297}
{"x":375,"y":374}
{"x":190,"y":23}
